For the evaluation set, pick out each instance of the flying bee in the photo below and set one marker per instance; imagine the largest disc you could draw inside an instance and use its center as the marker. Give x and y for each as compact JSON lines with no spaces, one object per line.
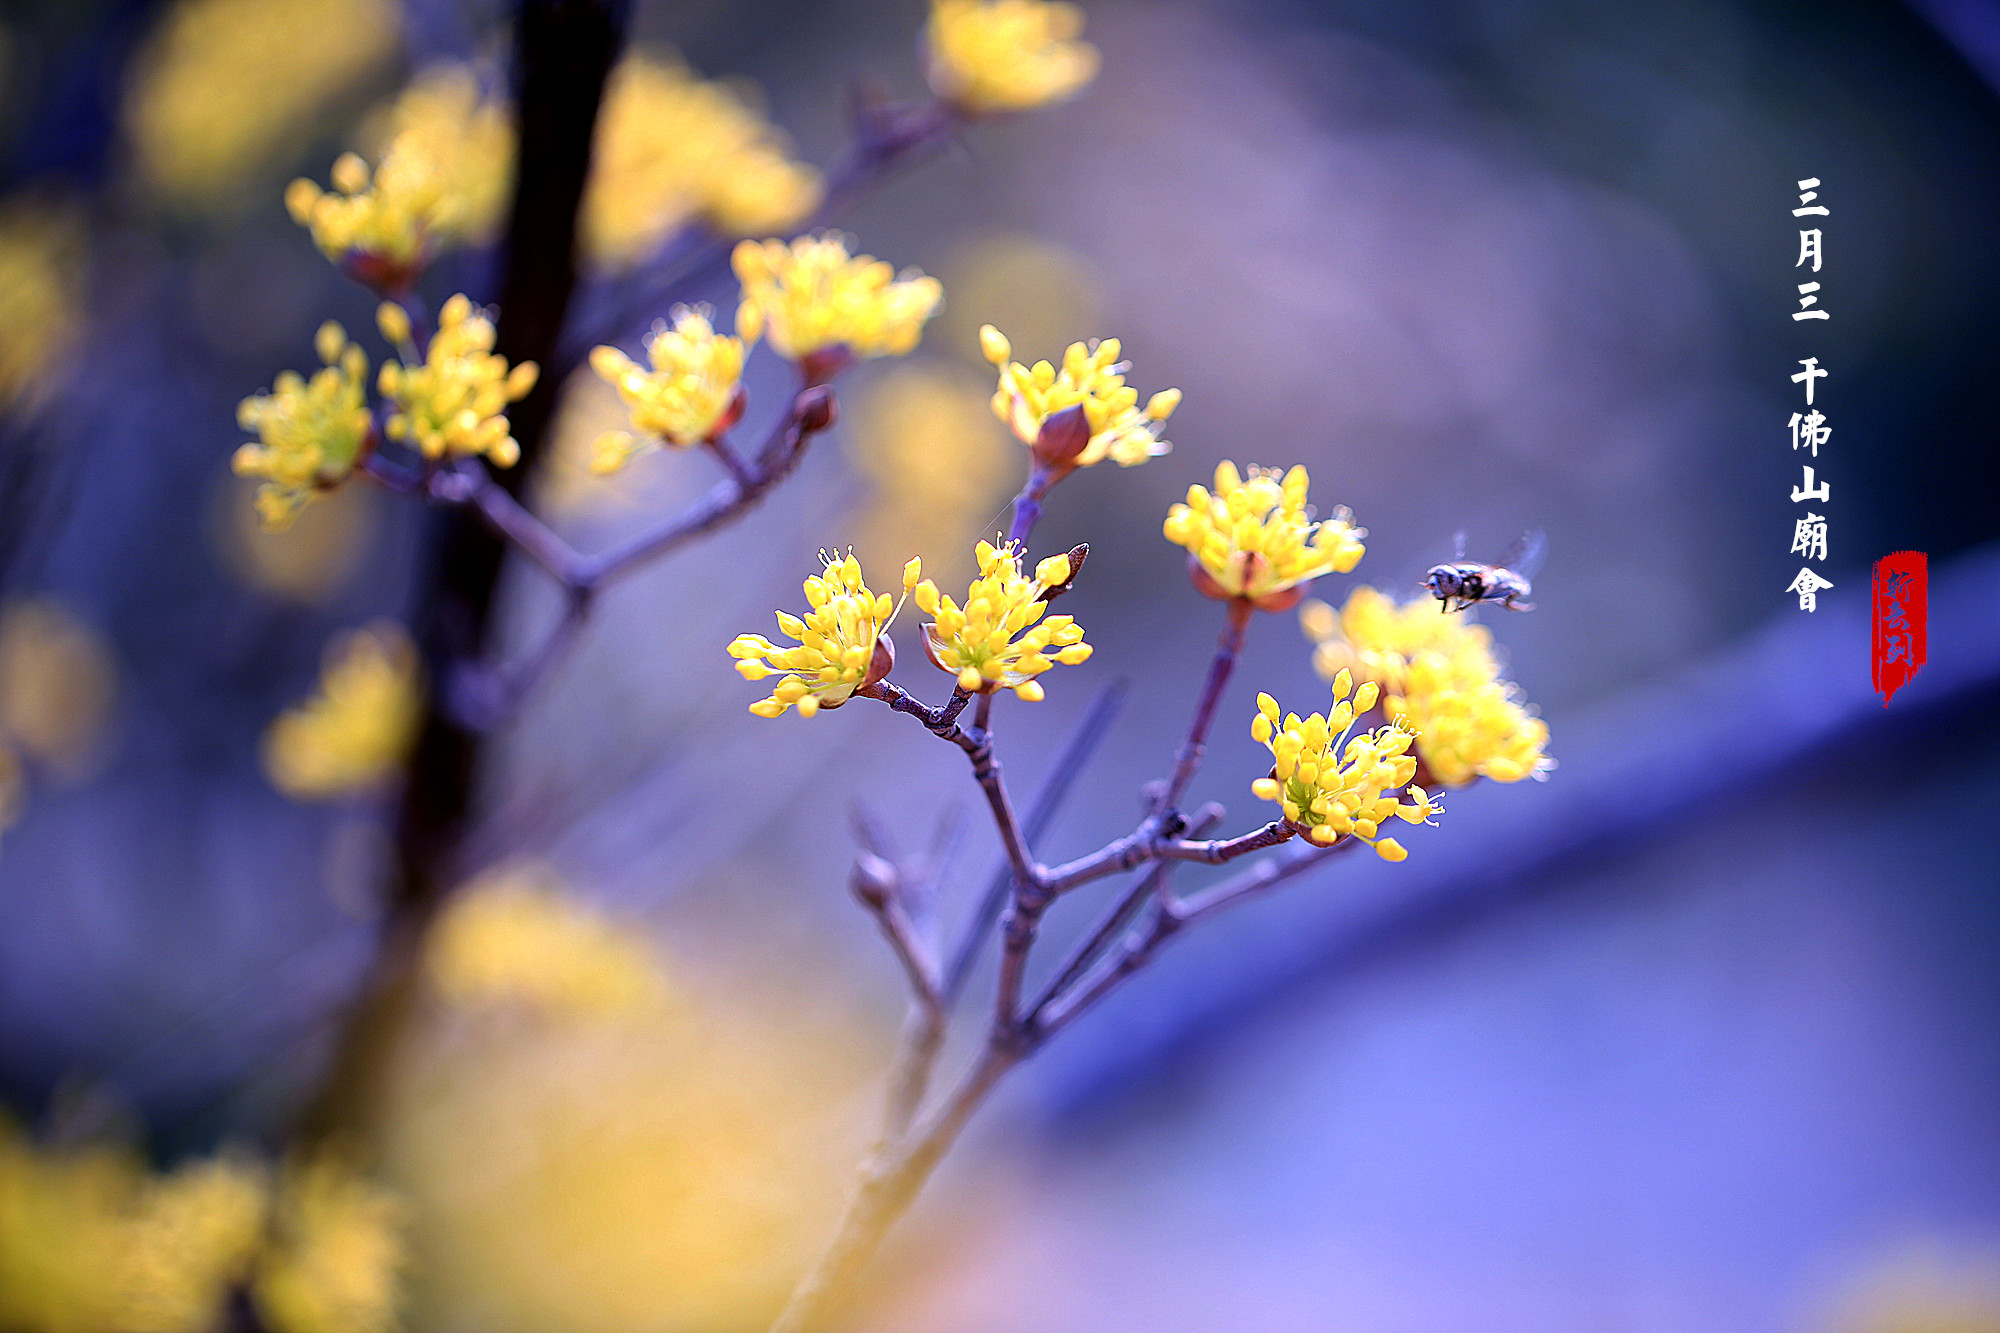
{"x":1464,"y":582}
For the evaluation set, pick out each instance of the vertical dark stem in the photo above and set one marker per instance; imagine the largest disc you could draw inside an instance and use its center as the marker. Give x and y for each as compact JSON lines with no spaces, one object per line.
{"x":563,"y":50}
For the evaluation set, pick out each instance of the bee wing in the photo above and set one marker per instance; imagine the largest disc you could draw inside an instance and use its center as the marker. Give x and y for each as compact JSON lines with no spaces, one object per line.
{"x":1458,"y":546}
{"x":1524,"y":555}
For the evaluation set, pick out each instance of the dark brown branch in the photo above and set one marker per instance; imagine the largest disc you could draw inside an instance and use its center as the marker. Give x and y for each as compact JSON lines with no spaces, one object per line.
{"x":1167,"y":919}
{"x":1090,"y":732}
{"x":1216,"y":853}
{"x":1114,"y":918}
{"x":812,"y":411}
{"x":563,"y":51}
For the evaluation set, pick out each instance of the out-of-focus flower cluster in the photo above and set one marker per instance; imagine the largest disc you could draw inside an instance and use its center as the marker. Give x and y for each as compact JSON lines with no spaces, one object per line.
{"x":41,"y":293}
{"x":936,"y":464}
{"x":91,"y":1241}
{"x":690,"y":390}
{"x":56,"y":683}
{"x":1255,"y":538}
{"x":1329,"y":792}
{"x":440,"y":179}
{"x":225,"y":87}
{"x":1092,"y":380}
{"x":517,"y":938}
{"x":453,"y":403}
{"x":594,"y":1143}
{"x":310,"y":433}
{"x":1439,"y":675}
{"x":670,"y":149}
{"x":356,"y":730}
{"x":840,"y":644}
{"x":333,"y":1257}
{"x":990,"y":56}
{"x":673,"y":148}
{"x":1000,"y":638}
{"x":811,"y":296}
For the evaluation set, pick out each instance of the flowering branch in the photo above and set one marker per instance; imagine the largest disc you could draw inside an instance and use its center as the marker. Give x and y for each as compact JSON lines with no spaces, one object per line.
{"x":1168,"y":917}
{"x":888,"y":138}
{"x":813,"y":410}
{"x":1076,"y":751}
{"x":1145,"y":886}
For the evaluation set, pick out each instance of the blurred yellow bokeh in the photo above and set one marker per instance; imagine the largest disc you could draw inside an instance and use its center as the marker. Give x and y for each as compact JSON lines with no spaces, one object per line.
{"x":306,"y":562}
{"x":334,"y":1252}
{"x":1923,"y":1289}
{"x":567,"y":484}
{"x":92,"y":1242}
{"x":57,"y":679}
{"x":227,"y":89}
{"x":940,"y":468}
{"x":349,"y":737}
{"x":666,"y":1161}
{"x":41,"y":295}
{"x":1045,"y":296}
{"x":673,"y":148}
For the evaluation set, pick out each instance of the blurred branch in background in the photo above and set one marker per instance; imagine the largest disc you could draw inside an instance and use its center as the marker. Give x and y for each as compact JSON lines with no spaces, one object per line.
{"x":564,"y":50}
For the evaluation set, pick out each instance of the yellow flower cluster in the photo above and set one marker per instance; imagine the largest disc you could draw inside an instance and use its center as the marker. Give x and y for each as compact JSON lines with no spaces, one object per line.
{"x":335,"y":1258}
{"x":1440,"y":675}
{"x":516,"y":936}
{"x":1330,"y":793}
{"x":41,"y":293}
{"x":1000,"y":639}
{"x":987,"y":56}
{"x":224,"y":87}
{"x":841,"y":644}
{"x":455,"y":400}
{"x":1092,"y":378}
{"x":811,"y":296}
{"x":310,"y":432}
{"x":670,"y":148}
{"x":441,"y":179}
{"x":692,"y":392}
{"x":355,"y":731}
{"x":90,"y":1240}
{"x":1256,"y":538}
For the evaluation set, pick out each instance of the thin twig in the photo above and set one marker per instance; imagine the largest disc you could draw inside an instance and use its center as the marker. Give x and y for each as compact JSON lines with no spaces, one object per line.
{"x":876,"y":885}
{"x":811,"y":411}
{"x":470,"y":483}
{"x":1090,"y":732}
{"x":1113,"y":920}
{"x":1217,"y":852}
{"x":1226,"y":648}
{"x":1167,"y":919}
